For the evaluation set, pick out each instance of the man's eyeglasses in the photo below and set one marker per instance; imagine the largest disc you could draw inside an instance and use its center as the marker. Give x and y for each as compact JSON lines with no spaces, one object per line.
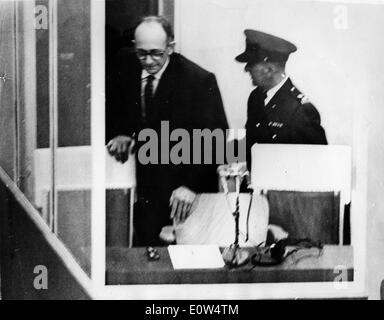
{"x":154,"y":54}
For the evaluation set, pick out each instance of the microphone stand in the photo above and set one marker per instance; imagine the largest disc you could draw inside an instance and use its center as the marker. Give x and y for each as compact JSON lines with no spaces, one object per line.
{"x":234,"y":256}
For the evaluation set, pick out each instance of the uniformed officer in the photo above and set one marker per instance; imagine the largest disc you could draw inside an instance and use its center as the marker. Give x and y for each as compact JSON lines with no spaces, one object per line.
{"x":277,"y":111}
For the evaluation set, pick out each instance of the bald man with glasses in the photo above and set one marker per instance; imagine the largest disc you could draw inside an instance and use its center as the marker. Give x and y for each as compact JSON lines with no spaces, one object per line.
{"x":155,"y":85}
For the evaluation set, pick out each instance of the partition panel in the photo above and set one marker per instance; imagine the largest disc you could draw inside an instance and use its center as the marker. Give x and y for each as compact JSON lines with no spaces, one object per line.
{"x":8,"y":83}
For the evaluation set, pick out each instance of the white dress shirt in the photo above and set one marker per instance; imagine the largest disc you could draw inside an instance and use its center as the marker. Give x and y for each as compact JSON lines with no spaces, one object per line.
{"x":156,"y":80}
{"x":271,"y":92}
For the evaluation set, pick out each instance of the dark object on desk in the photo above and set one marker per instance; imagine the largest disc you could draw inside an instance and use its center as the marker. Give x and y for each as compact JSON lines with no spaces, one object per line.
{"x":313,"y":215}
{"x":277,"y":252}
{"x":152,"y":254}
{"x":234,"y":256}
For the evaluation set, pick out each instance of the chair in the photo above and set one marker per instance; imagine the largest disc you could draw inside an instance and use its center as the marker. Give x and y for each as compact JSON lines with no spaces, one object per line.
{"x":307,"y":187}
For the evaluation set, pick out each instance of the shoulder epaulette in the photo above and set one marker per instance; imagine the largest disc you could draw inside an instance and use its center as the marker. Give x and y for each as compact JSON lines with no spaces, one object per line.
{"x":303,"y":99}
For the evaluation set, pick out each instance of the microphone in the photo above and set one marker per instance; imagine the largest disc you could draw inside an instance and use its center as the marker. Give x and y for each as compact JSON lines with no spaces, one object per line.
{"x":234,"y":170}
{"x":233,"y":255}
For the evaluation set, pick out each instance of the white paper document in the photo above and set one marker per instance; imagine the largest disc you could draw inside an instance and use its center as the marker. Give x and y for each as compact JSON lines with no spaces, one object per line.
{"x":195,"y":257}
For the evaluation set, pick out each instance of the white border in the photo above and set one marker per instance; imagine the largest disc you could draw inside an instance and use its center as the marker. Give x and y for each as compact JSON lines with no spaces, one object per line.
{"x":346,"y":1}
{"x":232,"y":291}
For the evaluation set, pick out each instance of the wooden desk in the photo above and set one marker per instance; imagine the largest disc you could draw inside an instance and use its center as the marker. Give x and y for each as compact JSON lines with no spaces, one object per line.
{"x":131,"y":266}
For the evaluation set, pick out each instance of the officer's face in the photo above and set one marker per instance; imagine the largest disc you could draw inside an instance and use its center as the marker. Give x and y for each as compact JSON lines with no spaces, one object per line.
{"x":260,"y":73}
{"x":152,"y":47}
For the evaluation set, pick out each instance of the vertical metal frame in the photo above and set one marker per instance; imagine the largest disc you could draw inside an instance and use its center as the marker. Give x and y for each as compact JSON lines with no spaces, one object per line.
{"x":132,"y":192}
{"x":359,"y":208}
{"x":160,"y":7}
{"x":177,"y":24}
{"x":53,"y":128}
{"x":25,"y":88}
{"x":16,"y":91}
{"x":98,"y":202}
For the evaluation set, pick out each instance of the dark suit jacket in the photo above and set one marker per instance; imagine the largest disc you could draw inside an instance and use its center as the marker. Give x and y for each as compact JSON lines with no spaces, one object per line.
{"x":287,"y":118}
{"x":188,"y":97}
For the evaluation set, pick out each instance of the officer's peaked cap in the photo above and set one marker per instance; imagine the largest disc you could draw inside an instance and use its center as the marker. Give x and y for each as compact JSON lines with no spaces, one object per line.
{"x":261,"y":46}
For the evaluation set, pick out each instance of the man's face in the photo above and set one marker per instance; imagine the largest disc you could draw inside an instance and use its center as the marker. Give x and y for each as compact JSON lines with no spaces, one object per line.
{"x":260,"y":73}
{"x":152,"y":47}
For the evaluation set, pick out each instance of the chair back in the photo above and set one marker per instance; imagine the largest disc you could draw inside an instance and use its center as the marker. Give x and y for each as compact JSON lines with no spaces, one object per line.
{"x":300,"y":180}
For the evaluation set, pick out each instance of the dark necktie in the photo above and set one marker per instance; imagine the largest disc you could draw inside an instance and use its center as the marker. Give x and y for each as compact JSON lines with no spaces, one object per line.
{"x":258,"y":110}
{"x":262,"y":95}
{"x":148,"y":96}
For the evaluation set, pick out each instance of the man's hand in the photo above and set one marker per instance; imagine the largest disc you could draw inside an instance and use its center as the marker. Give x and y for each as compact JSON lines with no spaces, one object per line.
{"x":120,"y":147}
{"x":181,"y":203}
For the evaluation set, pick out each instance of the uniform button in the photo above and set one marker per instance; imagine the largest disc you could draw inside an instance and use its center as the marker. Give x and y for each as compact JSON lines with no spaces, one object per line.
{"x":274,"y":136}
{"x":257,"y":124}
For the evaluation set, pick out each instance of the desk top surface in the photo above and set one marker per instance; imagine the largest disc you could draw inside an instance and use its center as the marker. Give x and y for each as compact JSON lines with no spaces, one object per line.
{"x":131,"y":266}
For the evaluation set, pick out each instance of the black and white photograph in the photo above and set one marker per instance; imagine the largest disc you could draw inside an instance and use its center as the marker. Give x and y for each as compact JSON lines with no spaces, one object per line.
{"x":183,"y":150}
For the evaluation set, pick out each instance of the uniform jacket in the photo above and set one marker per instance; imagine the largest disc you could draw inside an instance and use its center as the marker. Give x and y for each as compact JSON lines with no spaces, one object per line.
{"x":188,"y":97}
{"x":287,"y":118}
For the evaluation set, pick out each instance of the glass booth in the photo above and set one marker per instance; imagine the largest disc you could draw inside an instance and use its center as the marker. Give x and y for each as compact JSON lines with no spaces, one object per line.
{"x":55,"y":141}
